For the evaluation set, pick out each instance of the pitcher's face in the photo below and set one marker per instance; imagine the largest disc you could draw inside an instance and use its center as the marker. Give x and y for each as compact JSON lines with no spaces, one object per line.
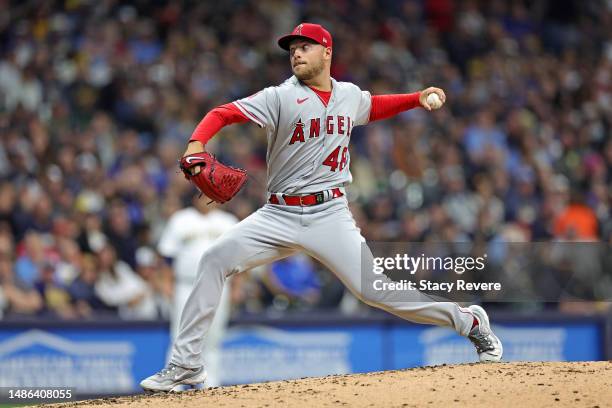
{"x":307,"y":58}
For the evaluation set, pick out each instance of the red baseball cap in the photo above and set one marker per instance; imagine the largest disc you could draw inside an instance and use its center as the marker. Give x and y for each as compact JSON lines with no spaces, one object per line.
{"x":314,"y":32}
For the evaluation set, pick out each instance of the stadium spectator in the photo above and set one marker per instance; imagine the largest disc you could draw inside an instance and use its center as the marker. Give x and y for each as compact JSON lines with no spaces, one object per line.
{"x":18,"y":299}
{"x":155,"y":272}
{"x":86,"y":302}
{"x":119,"y":286}
{"x":56,"y":299}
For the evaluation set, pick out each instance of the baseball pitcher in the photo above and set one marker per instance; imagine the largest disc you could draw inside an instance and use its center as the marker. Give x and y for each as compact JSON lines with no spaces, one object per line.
{"x":308,"y":119}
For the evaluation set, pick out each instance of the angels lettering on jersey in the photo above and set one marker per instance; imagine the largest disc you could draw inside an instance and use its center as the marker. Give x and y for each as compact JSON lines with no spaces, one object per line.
{"x":338,"y":125}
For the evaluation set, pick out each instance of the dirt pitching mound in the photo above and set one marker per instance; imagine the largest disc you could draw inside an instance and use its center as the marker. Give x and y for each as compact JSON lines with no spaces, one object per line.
{"x":584,"y":384}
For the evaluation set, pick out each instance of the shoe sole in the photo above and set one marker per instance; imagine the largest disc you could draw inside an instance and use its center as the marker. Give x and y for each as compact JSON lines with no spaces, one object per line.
{"x":176,"y":388}
{"x":483,"y":317}
{"x":188,"y":387}
{"x":198,"y":383}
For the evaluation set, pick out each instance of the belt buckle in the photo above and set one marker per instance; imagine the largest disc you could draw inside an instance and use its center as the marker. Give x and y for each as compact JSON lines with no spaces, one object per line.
{"x":302,"y":200}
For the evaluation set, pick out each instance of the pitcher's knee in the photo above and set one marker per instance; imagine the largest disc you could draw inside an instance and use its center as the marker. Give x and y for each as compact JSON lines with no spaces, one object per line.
{"x":214,"y":263}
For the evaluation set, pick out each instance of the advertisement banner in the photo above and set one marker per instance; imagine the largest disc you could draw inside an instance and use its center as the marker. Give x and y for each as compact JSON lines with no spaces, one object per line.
{"x":415,"y":346}
{"x":88,"y":360}
{"x":257,"y":353}
{"x":112,"y":360}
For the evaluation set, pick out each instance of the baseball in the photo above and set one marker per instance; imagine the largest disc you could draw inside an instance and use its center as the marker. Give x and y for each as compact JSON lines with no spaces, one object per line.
{"x":434,"y":100}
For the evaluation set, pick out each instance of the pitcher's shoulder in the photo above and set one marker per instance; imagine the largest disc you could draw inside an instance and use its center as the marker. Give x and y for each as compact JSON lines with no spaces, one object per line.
{"x":275,"y":92}
{"x":287,"y":85}
{"x":346,"y":86}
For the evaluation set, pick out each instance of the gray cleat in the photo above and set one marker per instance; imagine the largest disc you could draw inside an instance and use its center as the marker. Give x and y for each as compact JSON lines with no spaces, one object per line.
{"x":487,"y":344}
{"x":174,"y":378}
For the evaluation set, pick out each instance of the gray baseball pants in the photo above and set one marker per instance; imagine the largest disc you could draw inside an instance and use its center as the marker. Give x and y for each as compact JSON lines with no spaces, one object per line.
{"x":328,"y":233}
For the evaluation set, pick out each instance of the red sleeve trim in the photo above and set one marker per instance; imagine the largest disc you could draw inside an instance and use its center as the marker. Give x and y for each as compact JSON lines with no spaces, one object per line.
{"x":386,"y":106}
{"x":216,"y":119}
{"x":249,"y":115}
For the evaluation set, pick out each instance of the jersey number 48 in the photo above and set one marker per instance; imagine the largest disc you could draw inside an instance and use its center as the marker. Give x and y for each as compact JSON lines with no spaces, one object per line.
{"x":334,"y":160}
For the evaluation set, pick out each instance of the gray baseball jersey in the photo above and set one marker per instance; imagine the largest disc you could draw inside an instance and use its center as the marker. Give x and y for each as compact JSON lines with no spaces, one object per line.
{"x":307,"y":153}
{"x":307,"y":141}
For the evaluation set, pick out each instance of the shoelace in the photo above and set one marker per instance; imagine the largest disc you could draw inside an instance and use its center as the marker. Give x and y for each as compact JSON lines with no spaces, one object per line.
{"x":166,"y":370}
{"x":482,"y":342}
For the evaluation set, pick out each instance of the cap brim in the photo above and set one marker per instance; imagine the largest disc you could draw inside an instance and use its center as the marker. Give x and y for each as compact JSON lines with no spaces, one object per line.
{"x":285,"y":41}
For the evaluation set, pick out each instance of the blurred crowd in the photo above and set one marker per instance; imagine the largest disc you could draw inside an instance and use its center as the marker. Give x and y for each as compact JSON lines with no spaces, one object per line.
{"x":98,"y":99}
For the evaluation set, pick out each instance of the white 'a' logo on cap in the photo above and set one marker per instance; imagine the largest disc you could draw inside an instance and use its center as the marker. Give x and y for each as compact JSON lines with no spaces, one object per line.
{"x":299,"y":29}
